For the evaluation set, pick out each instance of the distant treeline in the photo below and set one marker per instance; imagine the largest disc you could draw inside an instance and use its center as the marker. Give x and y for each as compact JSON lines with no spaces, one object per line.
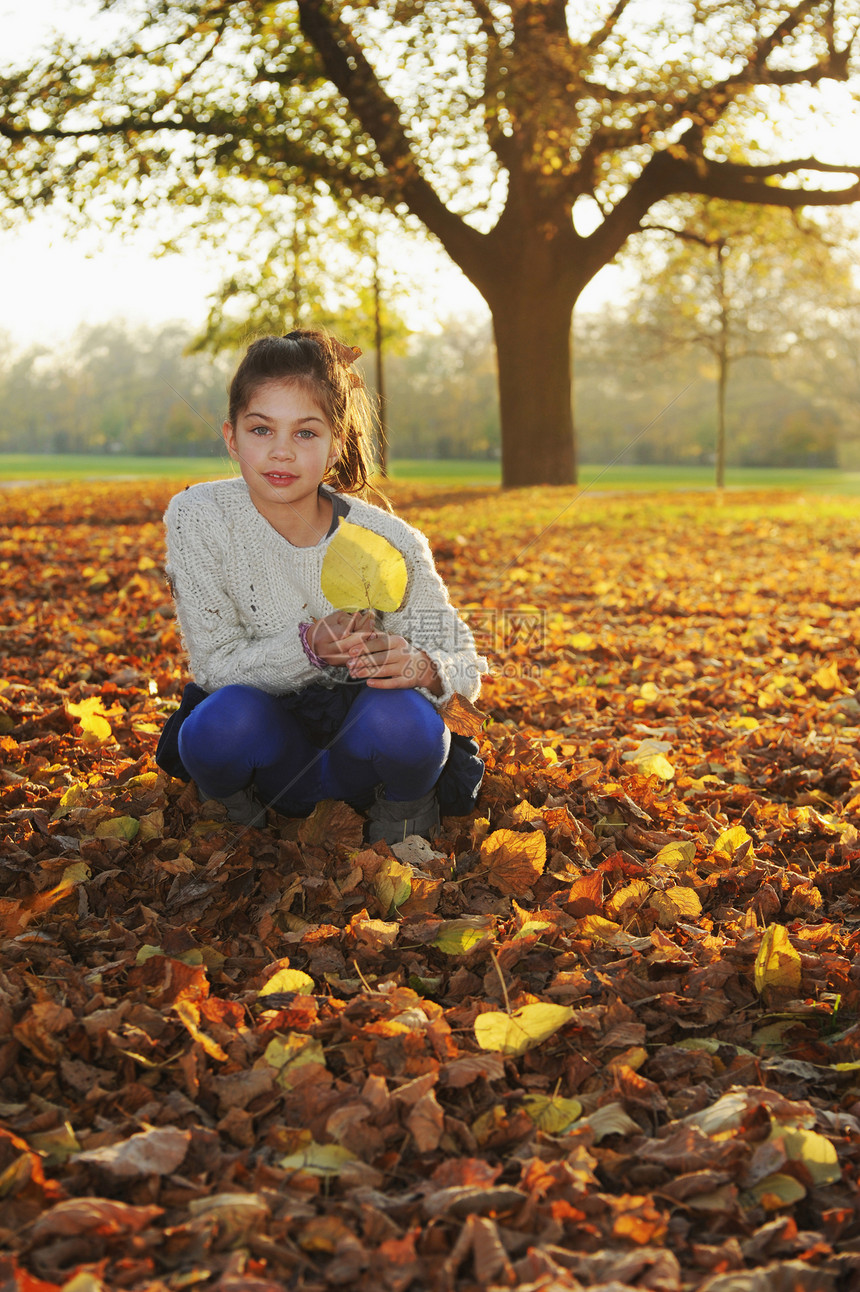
{"x":137,"y":391}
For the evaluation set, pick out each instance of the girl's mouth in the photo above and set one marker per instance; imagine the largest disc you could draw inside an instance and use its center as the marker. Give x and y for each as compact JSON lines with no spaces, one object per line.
{"x":280,"y":477}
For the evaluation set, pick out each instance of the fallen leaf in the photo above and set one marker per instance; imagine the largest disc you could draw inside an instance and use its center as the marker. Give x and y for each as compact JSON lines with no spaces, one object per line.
{"x":777,"y":964}
{"x":521,"y":1030}
{"x":515,"y":860}
{"x":156,"y":1151}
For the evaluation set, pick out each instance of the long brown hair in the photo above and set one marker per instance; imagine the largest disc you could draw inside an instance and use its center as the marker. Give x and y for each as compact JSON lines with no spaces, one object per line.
{"x":324,"y":366}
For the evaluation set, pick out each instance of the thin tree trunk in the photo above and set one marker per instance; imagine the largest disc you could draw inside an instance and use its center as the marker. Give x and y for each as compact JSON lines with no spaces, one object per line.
{"x":296,"y":276}
{"x":723,"y":360}
{"x":382,"y":439}
{"x":722,"y":382}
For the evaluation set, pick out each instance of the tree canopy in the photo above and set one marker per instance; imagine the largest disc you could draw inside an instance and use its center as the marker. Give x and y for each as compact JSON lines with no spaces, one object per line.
{"x":531,"y":138}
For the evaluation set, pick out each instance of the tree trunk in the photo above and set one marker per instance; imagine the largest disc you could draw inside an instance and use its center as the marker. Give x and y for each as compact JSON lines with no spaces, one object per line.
{"x":723,"y":359}
{"x":382,"y":441}
{"x":722,"y":382}
{"x":532,"y":332}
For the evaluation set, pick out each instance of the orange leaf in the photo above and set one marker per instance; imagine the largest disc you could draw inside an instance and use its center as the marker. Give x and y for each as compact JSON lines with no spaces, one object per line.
{"x":515,"y":860}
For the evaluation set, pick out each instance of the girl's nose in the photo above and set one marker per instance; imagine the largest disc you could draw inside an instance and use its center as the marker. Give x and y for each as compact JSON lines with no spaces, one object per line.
{"x":282,"y":449}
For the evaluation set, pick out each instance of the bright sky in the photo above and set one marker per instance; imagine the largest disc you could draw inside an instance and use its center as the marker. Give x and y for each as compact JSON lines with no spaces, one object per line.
{"x":53,"y":280}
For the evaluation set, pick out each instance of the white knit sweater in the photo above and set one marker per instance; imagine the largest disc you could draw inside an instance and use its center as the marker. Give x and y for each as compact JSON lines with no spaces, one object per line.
{"x":241,"y":591}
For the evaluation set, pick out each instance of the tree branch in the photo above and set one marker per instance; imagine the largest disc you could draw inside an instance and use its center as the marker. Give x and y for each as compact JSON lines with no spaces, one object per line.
{"x":346,"y":65}
{"x":734,"y":182}
{"x":502,"y":145}
{"x":598,"y":37}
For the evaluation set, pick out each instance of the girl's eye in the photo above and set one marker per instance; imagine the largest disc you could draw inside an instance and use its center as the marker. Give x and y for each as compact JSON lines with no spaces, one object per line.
{"x":259,"y":430}
{"x":306,"y":433}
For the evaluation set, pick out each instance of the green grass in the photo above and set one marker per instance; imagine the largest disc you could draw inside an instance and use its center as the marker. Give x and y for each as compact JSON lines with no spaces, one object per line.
{"x":35,"y":468}
{"x":625,"y":476}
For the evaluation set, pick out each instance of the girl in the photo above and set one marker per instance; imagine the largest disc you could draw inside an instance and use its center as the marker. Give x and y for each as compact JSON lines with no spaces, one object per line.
{"x":293,"y":701}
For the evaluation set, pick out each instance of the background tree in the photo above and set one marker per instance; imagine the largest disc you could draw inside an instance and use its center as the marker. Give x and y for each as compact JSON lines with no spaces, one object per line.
{"x":441,"y":393}
{"x":113,"y":390}
{"x":741,"y":282}
{"x":634,"y":408}
{"x":137,"y":390}
{"x":492,"y":123}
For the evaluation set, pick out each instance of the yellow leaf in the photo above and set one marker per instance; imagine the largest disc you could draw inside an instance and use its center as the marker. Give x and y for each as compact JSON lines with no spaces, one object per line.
{"x":92,"y":717}
{"x":460,"y":936}
{"x":777,"y":1190}
{"x":117,"y":827}
{"x":55,"y":1146}
{"x":629,"y":898}
{"x":288,"y":980}
{"x":680,"y":855}
{"x":532,"y":927}
{"x":84,"y":1281}
{"x":291,"y":1052}
{"x":319,"y":1159}
{"x":189,"y":1016}
{"x":581,"y":641}
{"x":777,"y":963}
{"x":731,"y":841}
{"x":673,"y":904}
{"x":77,"y":873}
{"x":145,"y":781}
{"x":362,"y":571}
{"x":740,"y":722}
{"x":600,"y":929}
{"x":655,"y":765}
{"x":815,"y":1152}
{"x":649,"y":759}
{"x":147,"y":952}
{"x":634,"y":1058}
{"x":827,"y":677}
{"x":523,"y":1030}
{"x":393,"y":885}
{"x":552,"y":1113}
{"x":515,"y":859}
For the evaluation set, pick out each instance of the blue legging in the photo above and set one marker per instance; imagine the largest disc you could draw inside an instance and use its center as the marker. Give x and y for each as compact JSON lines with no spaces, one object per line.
{"x":239,"y":735}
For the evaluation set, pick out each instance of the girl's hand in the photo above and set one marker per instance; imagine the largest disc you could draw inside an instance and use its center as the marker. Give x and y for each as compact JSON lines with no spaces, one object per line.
{"x":333,"y":637}
{"x":391,"y":663}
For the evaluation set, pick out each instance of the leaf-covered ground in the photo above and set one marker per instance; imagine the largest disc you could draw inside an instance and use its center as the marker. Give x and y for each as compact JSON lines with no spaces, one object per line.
{"x":604,"y":1034}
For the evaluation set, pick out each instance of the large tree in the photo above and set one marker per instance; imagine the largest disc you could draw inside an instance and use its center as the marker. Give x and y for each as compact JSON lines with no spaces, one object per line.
{"x":494,"y":122}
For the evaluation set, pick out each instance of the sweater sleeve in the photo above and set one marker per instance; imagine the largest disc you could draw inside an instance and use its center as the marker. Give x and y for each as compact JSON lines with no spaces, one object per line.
{"x":428,"y":620}
{"x":222,"y":648}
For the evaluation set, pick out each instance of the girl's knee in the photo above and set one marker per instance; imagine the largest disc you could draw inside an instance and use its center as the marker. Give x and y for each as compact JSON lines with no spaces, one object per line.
{"x":230,"y":714}
{"x":403,"y":720}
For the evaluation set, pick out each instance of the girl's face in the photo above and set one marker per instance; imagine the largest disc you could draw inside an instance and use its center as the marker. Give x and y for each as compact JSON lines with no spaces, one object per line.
{"x":284,"y":445}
